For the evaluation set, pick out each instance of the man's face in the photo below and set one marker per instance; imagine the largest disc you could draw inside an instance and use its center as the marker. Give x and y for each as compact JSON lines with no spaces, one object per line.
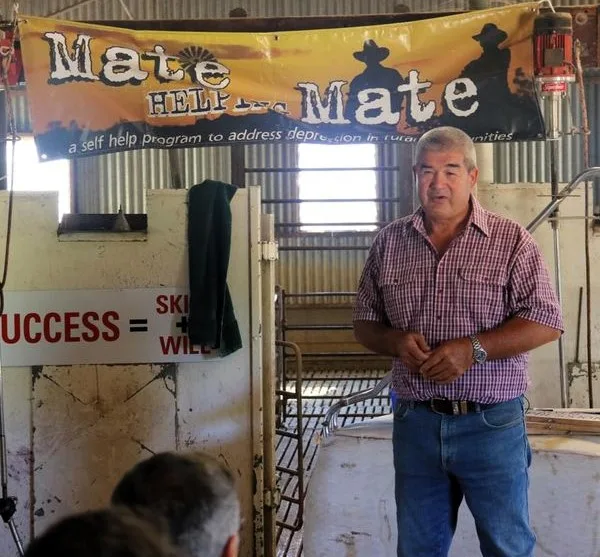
{"x":444,"y":184}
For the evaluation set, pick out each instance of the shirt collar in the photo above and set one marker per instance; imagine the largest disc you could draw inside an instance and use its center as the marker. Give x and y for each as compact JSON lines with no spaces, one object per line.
{"x":478,"y":218}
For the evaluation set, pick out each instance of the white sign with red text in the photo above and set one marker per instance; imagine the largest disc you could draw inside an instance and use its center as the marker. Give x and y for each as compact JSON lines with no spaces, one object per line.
{"x":65,"y":327}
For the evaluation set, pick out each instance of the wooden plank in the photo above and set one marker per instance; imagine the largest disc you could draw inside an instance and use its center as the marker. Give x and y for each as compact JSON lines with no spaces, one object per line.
{"x":564,"y":421}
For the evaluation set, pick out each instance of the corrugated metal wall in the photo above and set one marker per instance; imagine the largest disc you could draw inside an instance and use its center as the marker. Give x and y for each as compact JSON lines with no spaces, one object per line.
{"x":322,"y":269}
{"x":109,"y":181}
{"x":275,"y":186}
{"x":528,"y":161}
{"x":106,"y":182}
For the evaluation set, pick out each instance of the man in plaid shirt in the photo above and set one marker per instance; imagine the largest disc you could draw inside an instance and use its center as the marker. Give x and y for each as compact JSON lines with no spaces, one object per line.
{"x":458,"y":296}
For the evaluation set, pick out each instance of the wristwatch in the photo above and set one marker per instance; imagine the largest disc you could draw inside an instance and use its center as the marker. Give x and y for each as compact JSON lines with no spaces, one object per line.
{"x":479,"y":353}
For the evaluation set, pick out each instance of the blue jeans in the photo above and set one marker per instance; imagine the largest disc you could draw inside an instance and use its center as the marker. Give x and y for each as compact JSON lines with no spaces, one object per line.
{"x":483,"y":456}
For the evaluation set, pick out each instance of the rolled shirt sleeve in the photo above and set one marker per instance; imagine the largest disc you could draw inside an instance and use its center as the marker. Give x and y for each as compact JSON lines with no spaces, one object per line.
{"x":531,"y":294}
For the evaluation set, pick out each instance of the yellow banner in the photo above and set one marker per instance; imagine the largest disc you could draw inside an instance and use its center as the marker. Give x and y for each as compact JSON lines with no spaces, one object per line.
{"x":95,"y":89}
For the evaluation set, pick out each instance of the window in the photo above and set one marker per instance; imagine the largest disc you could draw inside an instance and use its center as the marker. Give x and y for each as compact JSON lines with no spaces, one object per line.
{"x":337,"y":184}
{"x":32,"y":175}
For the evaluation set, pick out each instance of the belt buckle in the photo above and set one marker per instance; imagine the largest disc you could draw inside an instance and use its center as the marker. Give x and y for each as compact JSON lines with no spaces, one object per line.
{"x":459,"y":407}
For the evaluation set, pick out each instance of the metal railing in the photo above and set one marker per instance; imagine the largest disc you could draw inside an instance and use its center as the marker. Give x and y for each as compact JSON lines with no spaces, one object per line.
{"x":283,"y":328}
{"x":289,"y":369}
{"x":330,"y":422}
{"x":545,"y":214}
{"x":297,"y":435}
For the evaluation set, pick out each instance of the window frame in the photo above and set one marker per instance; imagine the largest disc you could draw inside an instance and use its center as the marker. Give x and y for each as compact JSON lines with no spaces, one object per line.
{"x":69,"y":204}
{"x":298,"y":231}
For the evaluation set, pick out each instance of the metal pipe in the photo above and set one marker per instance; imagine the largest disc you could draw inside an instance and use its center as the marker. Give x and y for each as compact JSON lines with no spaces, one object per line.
{"x":126,"y":9}
{"x":588,"y":281}
{"x":8,"y":503}
{"x":67,"y":9}
{"x":334,"y":397}
{"x":323,"y":248}
{"x":562,"y":373}
{"x":318,"y":294}
{"x":3,"y":463}
{"x":15,"y":534}
{"x":281,"y":415}
{"x":572,"y":217}
{"x":578,"y":336}
{"x":564,"y":381}
{"x":4,"y":185}
{"x":353,"y":415}
{"x":330,"y":422}
{"x":341,"y":354}
{"x":354,"y":200}
{"x":587,"y":174}
{"x":271,"y":170}
{"x":312,"y":224}
{"x":269,"y":332}
{"x":319,"y":327}
{"x":552,"y":107}
{"x":284,"y":433}
{"x":342,"y":378}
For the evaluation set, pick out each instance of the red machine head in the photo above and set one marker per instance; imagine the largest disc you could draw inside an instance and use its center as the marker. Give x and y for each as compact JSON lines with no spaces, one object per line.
{"x":10,"y":60}
{"x":553,"y":51}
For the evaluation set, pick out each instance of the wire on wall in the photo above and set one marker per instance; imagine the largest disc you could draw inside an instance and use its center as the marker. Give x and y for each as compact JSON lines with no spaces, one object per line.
{"x":586,"y":225}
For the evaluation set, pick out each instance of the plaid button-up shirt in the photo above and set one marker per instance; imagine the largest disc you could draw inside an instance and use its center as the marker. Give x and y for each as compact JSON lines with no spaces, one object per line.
{"x":491,"y":272}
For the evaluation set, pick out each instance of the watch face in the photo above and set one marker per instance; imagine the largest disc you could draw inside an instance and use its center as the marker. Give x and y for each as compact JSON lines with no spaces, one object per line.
{"x":479,"y":356}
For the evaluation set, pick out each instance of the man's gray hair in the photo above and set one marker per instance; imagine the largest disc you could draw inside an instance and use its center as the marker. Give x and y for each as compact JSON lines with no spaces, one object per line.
{"x":101,"y":533}
{"x":194,"y":492}
{"x":446,"y":138}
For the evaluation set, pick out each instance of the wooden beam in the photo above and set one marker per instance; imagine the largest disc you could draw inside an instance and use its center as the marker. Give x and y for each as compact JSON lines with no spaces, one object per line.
{"x":269,"y":24}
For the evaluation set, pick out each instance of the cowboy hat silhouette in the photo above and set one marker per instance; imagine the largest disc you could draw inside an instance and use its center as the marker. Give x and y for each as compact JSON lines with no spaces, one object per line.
{"x":371,"y":52}
{"x":490,"y":35}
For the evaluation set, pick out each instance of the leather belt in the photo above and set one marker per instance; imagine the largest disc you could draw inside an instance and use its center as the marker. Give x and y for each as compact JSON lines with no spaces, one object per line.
{"x":453,"y":407}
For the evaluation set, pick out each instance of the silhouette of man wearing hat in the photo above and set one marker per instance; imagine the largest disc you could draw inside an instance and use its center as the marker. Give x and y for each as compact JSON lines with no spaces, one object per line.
{"x":490,"y":70}
{"x":489,"y":73}
{"x":374,"y":76}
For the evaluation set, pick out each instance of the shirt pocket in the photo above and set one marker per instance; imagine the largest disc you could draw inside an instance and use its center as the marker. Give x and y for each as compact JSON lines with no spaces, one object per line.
{"x":404,"y":297}
{"x":482,"y":297}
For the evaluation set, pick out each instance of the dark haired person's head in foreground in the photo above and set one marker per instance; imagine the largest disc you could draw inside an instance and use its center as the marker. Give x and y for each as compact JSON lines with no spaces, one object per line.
{"x":115,"y":532}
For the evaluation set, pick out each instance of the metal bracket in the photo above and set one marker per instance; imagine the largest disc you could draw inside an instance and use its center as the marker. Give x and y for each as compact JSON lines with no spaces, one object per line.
{"x":272,"y":498}
{"x":269,"y":251}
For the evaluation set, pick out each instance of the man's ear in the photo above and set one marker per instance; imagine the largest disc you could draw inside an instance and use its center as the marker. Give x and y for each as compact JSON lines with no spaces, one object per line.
{"x":473,"y":175}
{"x":232,"y":547}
